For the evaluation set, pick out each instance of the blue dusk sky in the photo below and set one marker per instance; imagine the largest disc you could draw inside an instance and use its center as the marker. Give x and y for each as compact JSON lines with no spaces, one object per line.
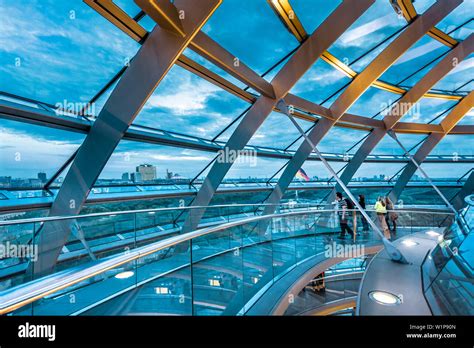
{"x":63,"y":52}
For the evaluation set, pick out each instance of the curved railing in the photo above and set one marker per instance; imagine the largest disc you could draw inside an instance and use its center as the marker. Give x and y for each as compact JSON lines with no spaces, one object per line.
{"x":214,"y":270}
{"x":448,"y":272}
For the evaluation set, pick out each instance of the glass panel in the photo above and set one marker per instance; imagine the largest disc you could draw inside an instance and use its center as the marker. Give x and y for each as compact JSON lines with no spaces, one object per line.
{"x":340,"y":140}
{"x":251,"y":23}
{"x":128,"y":6}
{"x":319,"y":82}
{"x":424,"y":195}
{"x":458,"y":76}
{"x":452,"y":144}
{"x":153,"y":164}
{"x":188,"y":104}
{"x":372,"y":102}
{"x":253,"y":169}
{"x":388,"y":146}
{"x":375,"y":25}
{"x":377,"y":172}
{"x":31,"y":154}
{"x":54,"y":44}
{"x":316,"y":171}
{"x":438,"y":170}
{"x":427,"y":110}
{"x":277,"y":131}
{"x":311,"y":19}
{"x":458,"y":16}
{"x":418,"y":55}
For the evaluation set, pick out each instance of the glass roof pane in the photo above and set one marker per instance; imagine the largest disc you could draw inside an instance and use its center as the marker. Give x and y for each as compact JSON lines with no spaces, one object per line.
{"x":438,"y":170}
{"x":186,"y":103}
{"x":251,"y":31}
{"x":311,"y":19}
{"x":457,"y":77}
{"x":468,"y":119}
{"x":253,"y":169}
{"x":26,"y":150}
{"x":427,"y":109}
{"x":317,"y":171}
{"x":319,"y":82}
{"x":147,"y":23}
{"x":184,"y":164}
{"x":377,"y":171}
{"x":422,"y":5}
{"x":277,"y":131}
{"x":67,"y":49}
{"x":375,"y":25}
{"x":340,"y":140}
{"x":128,"y":6}
{"x":457,"y":17}
{"x":418,"y":55}
{"x":373,"y":101}
{"x":425,"y":195}
{"x":388,"y":146}
{"x":452,"y":144}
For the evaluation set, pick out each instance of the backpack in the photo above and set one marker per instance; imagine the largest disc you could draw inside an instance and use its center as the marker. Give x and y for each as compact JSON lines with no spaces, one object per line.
{"x":350,"y":204}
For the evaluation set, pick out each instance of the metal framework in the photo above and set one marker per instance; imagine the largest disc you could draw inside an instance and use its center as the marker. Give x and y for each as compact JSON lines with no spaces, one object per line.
{"x":164,"y":46}
{"x":358,"y":86}
{"x":159,"y":52}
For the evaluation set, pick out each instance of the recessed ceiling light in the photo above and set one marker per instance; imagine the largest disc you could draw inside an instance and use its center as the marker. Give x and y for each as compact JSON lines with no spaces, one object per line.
{"x":432,"y":233}
{"x":384,"y":298}
{"x":124,"y":275}
{"x":409,"y":242}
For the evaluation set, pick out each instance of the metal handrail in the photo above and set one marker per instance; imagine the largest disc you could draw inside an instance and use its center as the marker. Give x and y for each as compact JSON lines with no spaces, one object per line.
{"x":22,"y":295}
{"x":148,"y":210}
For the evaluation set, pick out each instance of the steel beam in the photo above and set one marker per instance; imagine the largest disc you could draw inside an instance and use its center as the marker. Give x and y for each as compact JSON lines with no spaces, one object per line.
{"x":157,"y":55}
{"x":456,"y":114}
{"x":415,"y":31}
{"x":403,"y":106}
{"x":326,"y":34}
{"x":467,"y":189}
{"x":390,"y":248}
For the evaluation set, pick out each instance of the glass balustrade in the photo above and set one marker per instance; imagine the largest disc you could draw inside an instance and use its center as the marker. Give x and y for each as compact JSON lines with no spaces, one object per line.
{"x":138,"y":263}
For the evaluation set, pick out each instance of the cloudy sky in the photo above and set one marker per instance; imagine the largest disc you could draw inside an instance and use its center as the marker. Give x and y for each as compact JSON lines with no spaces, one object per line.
{"x":64,"y":52}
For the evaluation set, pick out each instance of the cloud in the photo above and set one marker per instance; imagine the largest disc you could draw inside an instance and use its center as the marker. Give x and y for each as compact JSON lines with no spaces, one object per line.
{"x":184,"y":94}
{"x":353,"y":36}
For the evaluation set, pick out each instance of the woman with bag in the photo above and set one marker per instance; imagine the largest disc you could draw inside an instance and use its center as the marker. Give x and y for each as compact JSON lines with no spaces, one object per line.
{"x":381,"y":211}
{"x":391,"y":215}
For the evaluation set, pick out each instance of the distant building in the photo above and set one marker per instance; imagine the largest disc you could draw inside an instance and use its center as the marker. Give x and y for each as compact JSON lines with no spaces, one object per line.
{"x":5,"y":181}
{"x":147,"y":172}
{"x":136,"y":177}
{"x":125,"y":177}
{"x":42,"y":176}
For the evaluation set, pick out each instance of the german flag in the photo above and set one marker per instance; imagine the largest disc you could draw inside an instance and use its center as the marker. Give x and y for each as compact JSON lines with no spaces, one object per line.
{"x":301,"y":174}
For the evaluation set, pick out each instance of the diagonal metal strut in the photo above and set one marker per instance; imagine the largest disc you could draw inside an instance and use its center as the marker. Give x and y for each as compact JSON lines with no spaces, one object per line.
{"x":422,"y":171}
{"x":392,"y":250}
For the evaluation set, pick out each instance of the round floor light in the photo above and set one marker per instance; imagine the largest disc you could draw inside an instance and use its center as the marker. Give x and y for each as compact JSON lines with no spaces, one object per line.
{"x":433,"y":234}
{"x":384,"y":298}
{"x":124,"y":275}
{"x":409,"y":242}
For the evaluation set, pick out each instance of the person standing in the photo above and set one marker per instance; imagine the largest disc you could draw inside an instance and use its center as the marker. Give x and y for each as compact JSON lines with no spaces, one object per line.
{"x":381,"y":211}
{"x":365,"y":224}
{"x":391,"y":215}
{"x":343,"y":216}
